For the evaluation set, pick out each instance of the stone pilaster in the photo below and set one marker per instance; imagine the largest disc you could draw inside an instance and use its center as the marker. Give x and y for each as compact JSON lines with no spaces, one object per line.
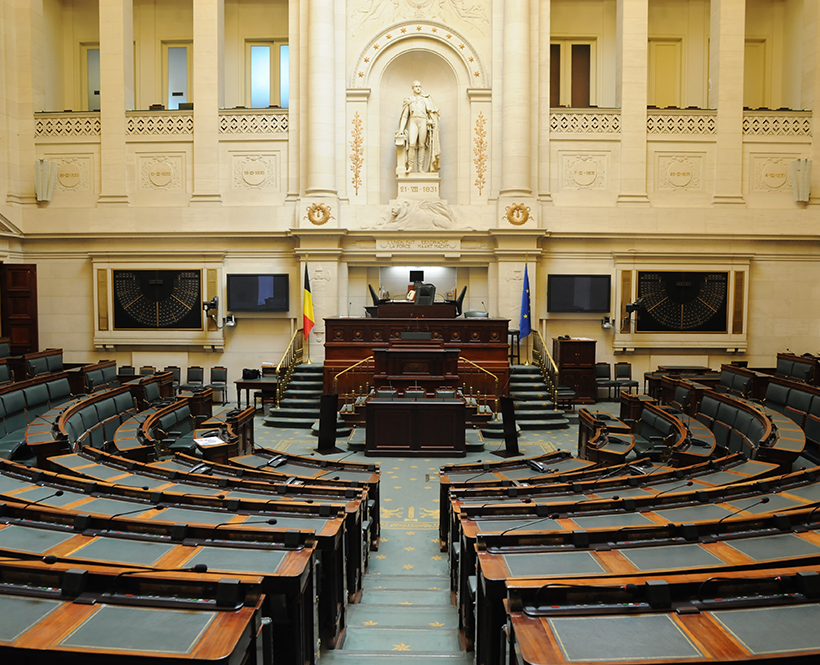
{"x":516,"y":102}
{"x":727,"y":52}
{"x":209,"y":40}
{"x":630,"y":89}
{"x":116,"y":97}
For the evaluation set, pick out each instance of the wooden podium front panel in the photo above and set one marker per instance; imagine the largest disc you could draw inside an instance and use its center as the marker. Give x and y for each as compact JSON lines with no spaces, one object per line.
{"x":429,"y":367}
{"x":424,"y":428}
{"x":482,"y":341}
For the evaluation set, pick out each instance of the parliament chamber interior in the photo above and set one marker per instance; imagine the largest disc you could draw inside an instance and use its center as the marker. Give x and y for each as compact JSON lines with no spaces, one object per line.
{"x":469,"y":332}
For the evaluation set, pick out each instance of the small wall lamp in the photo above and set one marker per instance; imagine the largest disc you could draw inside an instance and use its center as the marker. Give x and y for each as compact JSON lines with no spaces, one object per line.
{"x":606,"y":322}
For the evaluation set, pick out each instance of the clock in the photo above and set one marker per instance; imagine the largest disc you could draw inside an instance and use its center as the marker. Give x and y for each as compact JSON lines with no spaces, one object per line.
{"x":682,"y":301}
{"x":158,"y":299}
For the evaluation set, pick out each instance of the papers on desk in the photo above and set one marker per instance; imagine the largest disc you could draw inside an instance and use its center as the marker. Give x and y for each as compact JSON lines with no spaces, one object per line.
{"x":207,"y":441}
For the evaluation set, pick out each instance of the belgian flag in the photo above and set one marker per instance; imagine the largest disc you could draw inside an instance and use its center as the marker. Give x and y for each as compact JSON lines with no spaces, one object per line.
{"x":307,"y":308}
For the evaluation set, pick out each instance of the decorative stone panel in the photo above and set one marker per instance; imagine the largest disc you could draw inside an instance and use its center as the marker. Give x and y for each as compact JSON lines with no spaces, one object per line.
{"x":161,"y":173}
{"x":583,"y":170}
{"x":255,"y":171}
{"x":679,"y":172}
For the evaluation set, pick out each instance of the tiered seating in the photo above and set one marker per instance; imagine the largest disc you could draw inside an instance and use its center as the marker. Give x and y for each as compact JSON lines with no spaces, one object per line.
{"x":642,"y":533}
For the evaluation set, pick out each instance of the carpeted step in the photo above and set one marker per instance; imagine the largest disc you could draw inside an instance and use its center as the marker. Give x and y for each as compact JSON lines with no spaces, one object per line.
{"x":552,"y":423}
{"x":291,"y":423}
{"x":295,"y":413}
{"x":342,"y":429}
{"x":537,"y":414}
{"x":301,"y":384}
{"x":299,"y":402}
{"x":337,"y":657}
{"x":526,"y":395}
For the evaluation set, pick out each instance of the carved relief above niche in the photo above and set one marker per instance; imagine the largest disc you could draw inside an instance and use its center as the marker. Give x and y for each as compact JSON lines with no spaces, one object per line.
{"x":257,"y":171}
{"x":772,"y":174}
{"x":74,"y":174}
{"x":679,"y":172}
{"x":375,"y":14}
{"x":583,"y":170}
{"x":161,"y":173}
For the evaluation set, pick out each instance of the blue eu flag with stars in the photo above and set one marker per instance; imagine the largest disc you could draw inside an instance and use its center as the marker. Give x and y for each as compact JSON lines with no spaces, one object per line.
{"x":526,"y":320}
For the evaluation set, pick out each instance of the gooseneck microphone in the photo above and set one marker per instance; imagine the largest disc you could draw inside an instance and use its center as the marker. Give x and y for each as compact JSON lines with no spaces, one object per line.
{"x":764,"y":499}
{"x":688,"y":483}
{"x":34,"y":503}
{"x":198,"y":568}
{"x":159,"y":506}
{"x":270,"y":521}
{"x":554,"y":516}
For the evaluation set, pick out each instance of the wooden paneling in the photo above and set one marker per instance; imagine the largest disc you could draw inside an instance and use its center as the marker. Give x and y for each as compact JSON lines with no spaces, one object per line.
{"x":19,"y":307}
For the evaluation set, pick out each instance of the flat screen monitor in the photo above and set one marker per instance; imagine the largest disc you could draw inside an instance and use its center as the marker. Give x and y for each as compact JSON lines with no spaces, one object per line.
{"x":258,"y":293}
{"x":578,"y":293}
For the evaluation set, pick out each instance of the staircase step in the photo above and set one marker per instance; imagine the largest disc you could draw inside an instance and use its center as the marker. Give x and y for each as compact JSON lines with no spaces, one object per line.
{"x":342,"y":429}
{"x":537,"y":414}
{"x":300,"y":384}
{"x":295,"y":413}
{"x":553,"y":423}
{"x":289,"y":423}
{"x":526,"y":395}
{"x":528,"y":405}
{"x":407,"y":616}
{"x":299,"y":402}
{"x":372,"y":638}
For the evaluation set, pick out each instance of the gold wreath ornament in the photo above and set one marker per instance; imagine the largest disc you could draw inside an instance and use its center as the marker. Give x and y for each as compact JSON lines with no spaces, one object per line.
{"x":517,"y":214}
{"x":318,"y":214}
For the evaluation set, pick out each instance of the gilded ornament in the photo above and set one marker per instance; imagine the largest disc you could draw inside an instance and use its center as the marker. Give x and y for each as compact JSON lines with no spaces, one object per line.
{"x":318,"y":214}
{"x":517,"y":214}
{"x":357,"y":152}
{"x":480,"y":152}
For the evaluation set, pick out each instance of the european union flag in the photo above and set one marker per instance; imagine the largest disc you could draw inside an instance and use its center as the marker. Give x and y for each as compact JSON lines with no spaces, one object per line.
{"x":526,"y":321}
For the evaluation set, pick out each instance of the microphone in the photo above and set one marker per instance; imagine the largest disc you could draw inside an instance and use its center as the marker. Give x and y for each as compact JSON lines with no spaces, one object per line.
{"x":336,"y":460}
{"x":688,"y":483}
{"x":34,"y":503}
{"x":764,"y":499}
{"x":553,"y":516}
{"x":159,"y":506}
{"x":484,"y":306}
{"x":270,"y":521}
{"x":198,"y":568}
{"x":477,"y":475}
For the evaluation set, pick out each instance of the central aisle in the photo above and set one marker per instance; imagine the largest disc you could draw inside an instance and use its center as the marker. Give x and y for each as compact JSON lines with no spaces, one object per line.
{"x":405,"y":613}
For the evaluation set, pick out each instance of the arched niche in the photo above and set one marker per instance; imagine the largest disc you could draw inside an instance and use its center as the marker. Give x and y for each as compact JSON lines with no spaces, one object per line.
{"x":441,"y":69}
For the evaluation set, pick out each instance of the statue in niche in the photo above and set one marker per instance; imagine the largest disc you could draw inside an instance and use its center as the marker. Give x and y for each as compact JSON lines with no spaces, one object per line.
{"x":418,"y":134}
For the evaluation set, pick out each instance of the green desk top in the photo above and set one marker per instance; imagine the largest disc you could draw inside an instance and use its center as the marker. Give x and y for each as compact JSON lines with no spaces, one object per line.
{"x":808,"y":492}
{"x":770,"y":548}
{"x":671,"y":557}
{"x":753,"y":467}
{"x":140,"y":481}
{"x":135,"y":552}
{"x":616,"y":520}
{"x":36,"y":541}
{"x":776,"y":502}
{"x":770,"y":630}
{"x":722,"y":478}
{"x":238,"y":560}
{"x":9,"y":484}
{"x":36,"y":493}
{"x":552,"y":564}
{"x":102,"y":472}
{"x":114,"y":507}
{"x":20,"y":614}
{"x":71,"y":461}
{"x":189,"y":516}
{"x":497,"y":526}
{"x":640,"y":637}
{"x":160,"y":630}
{"x":706,"y":511}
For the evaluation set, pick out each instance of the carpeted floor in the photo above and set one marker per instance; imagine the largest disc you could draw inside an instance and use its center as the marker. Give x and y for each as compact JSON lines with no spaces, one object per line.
{"x":406,"y":605}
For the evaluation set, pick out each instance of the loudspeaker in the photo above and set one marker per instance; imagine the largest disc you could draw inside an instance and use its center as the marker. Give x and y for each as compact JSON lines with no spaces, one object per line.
{"x":510,"y":434}
{"x":328,"y":410}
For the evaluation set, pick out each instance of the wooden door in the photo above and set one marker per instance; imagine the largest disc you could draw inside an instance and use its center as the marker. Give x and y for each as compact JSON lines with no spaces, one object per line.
{"x":18,"y":302}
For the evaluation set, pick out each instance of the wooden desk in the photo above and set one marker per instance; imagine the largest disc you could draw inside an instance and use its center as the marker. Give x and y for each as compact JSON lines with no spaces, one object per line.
{"x":267,"y":384}
{"x":410,"y":310}
{"x":428,"y":365}
{"x":424,"y":428}
{"x":482,"y":341}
